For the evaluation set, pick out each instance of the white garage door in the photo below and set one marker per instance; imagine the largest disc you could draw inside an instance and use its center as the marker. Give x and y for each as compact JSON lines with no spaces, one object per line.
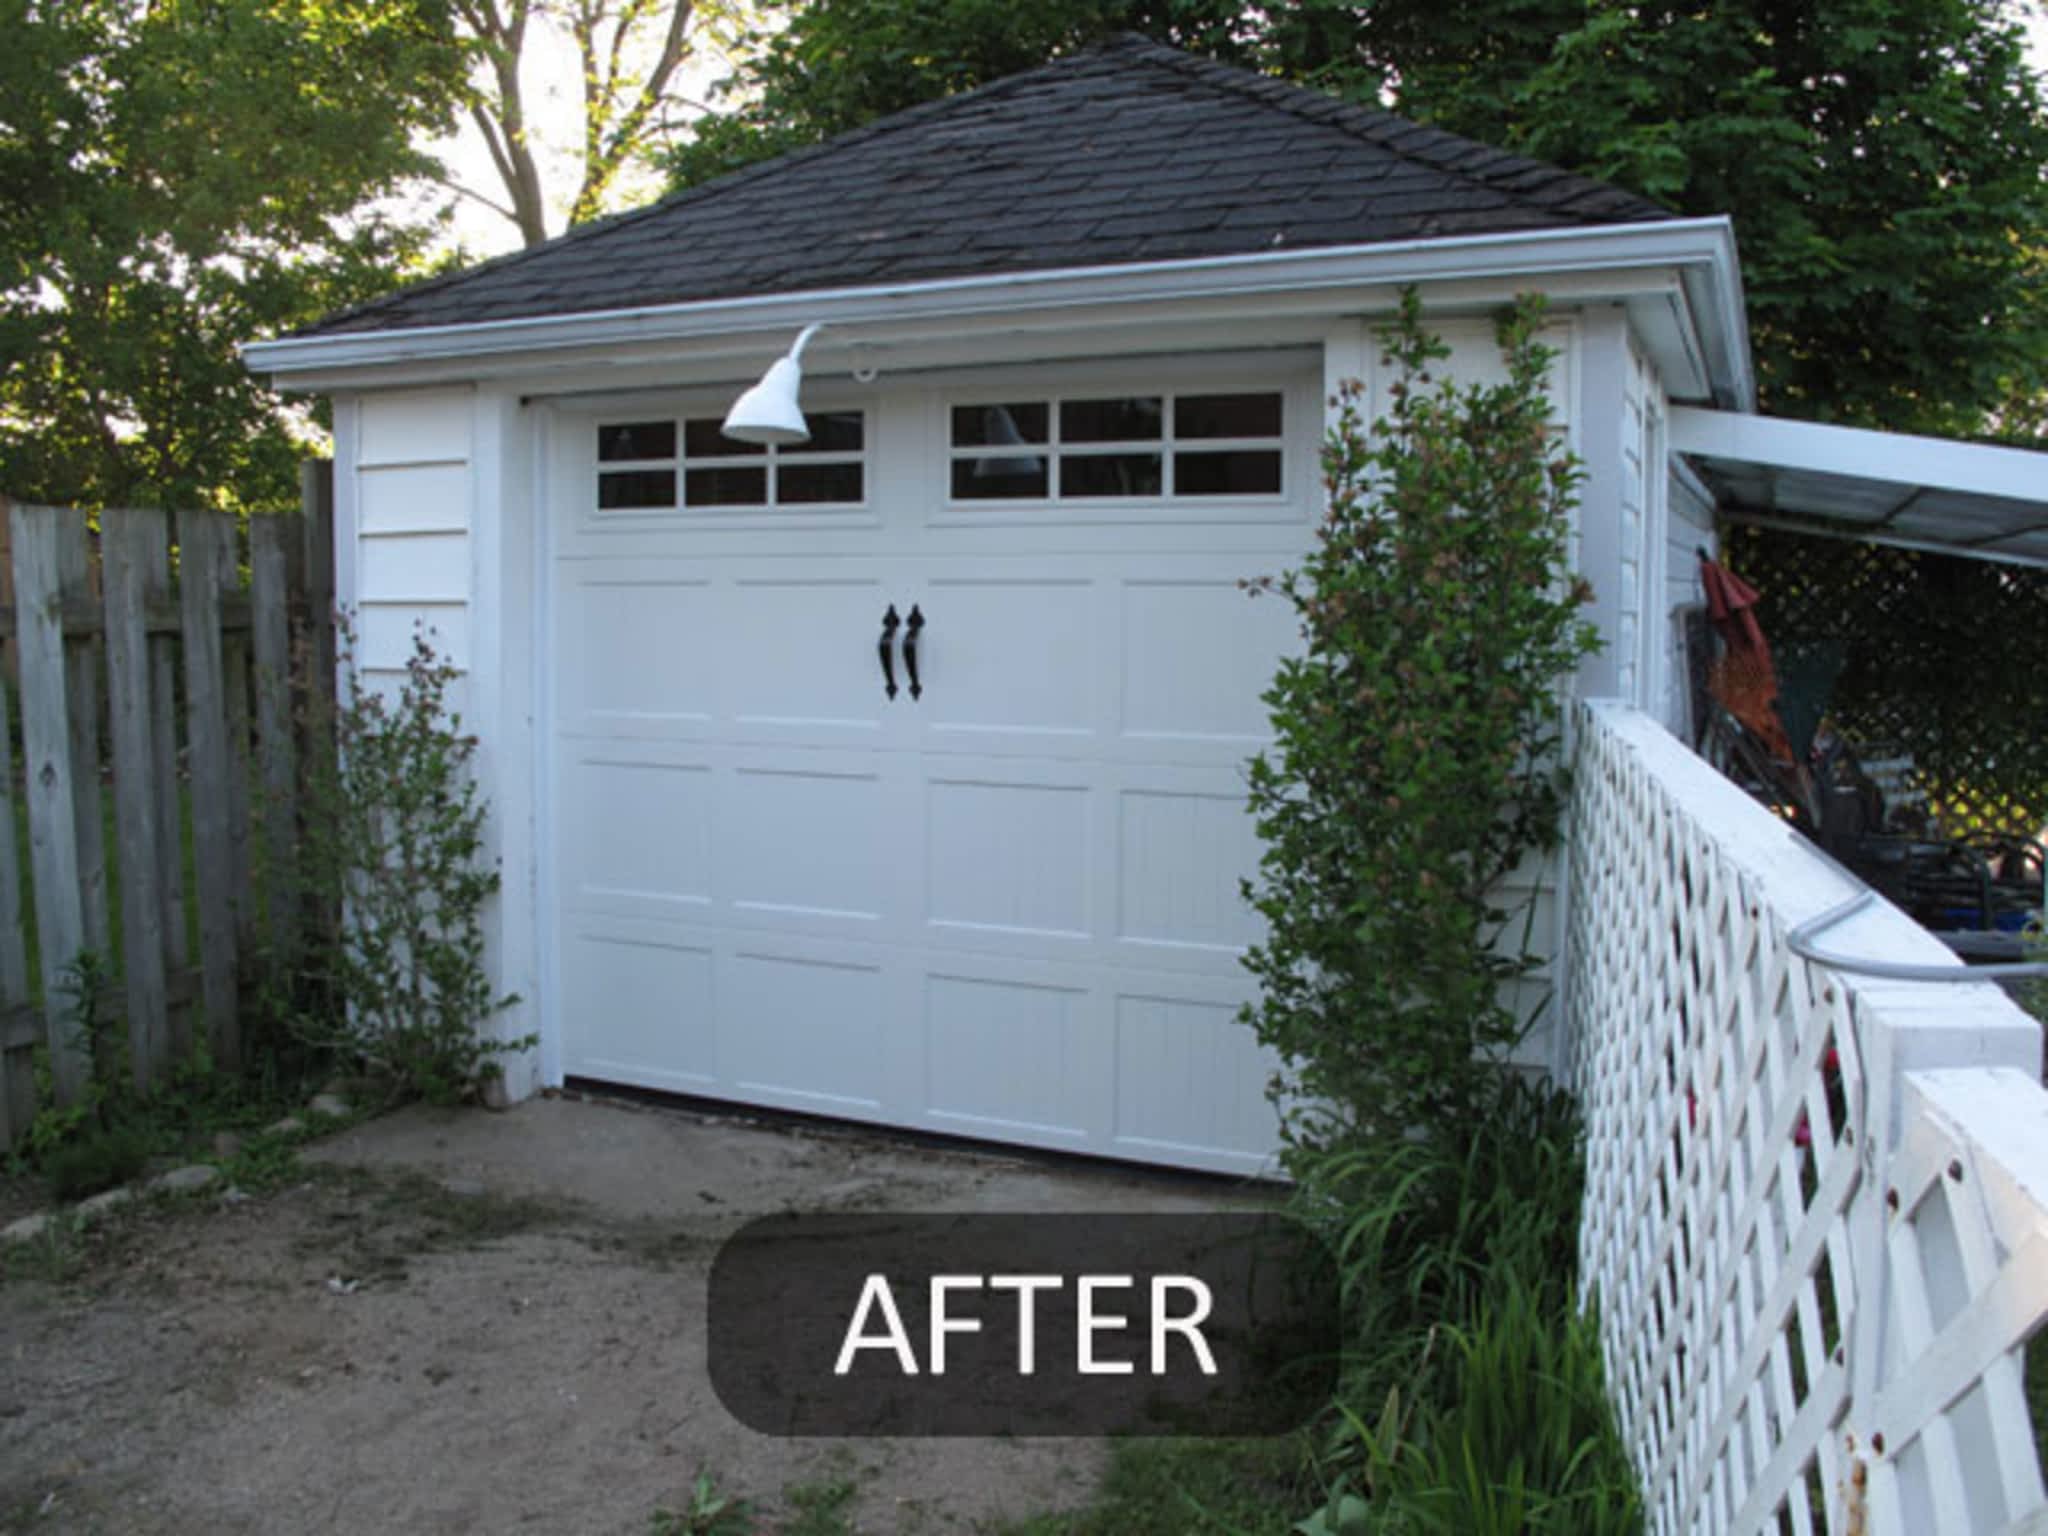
{"x":1003,"y":903}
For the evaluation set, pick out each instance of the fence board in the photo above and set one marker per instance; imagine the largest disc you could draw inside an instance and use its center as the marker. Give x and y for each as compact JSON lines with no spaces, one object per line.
{"x":316,"y":498}
{"x":128,"y":545}
{"x":270,"y":603}
{"x":316,"y":656}
{"x":151,"y":530}
{"x":82,"y":711}
{"x":46,"y":758}
{"x":200,"y":537}
{"x":234,"y":651}
{"x":17,"y":1085}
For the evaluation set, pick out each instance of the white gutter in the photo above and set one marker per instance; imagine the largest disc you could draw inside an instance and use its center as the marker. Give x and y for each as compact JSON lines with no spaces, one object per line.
{"x":1702,"y":249}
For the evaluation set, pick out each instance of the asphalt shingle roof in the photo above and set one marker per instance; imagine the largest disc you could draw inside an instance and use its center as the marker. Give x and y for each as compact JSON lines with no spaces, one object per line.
{"x":1129,"y":152}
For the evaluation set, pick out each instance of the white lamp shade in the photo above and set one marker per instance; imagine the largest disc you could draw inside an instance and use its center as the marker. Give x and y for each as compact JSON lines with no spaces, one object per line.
{"x":771,"y":412}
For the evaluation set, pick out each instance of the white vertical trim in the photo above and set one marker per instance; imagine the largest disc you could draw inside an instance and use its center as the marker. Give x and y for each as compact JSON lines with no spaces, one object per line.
{"x":541,"y":428}
{"x":1653,"y":627}
{"x":1347,"y":355}
{"x":1603,"y":387}
{"x":348,"y":442}
{"x":501,"y":703}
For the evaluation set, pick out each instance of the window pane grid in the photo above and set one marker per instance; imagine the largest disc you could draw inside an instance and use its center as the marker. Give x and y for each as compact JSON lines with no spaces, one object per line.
{"x":1241,"y":465}
{"x":737,"y":476}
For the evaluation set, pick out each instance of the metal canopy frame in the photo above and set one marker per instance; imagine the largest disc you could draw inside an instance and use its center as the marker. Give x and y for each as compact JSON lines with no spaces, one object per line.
{"x":1976,"y":500}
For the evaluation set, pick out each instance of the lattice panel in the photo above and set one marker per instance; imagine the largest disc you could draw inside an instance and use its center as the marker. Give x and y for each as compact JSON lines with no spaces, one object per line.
{"x":1929,"y":649}
{"x":1732,"y":1231}
{"x":1966,"y":1257}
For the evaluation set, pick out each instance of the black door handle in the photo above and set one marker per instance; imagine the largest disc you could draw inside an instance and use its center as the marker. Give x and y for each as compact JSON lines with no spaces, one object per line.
{"x":910,"y":650}
{"x":884,"y":647}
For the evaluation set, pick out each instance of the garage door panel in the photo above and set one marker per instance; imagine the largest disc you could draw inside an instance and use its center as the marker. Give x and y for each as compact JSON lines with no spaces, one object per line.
{"x":805,"y":1031}
{"x":639,"y":833}
{"x":1009,"y":1057}
{"x":1012,"y":658}
{"x":809,"y":843}
{"x":1197,"y":653}
{"x":799,"y":656}
{"x":1180,"y":855}
{"x":1008,"y":858}
{"x":633,"y":644}
{"x":1190,"y":1080}
{"x":645,"y":1009}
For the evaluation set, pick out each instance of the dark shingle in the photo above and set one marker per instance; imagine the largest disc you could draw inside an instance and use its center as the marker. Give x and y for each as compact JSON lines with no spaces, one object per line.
{"x":1129,"y":152}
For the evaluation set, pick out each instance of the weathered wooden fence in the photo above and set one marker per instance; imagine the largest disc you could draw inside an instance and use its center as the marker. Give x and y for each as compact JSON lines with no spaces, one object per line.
{"x":149,"y":807}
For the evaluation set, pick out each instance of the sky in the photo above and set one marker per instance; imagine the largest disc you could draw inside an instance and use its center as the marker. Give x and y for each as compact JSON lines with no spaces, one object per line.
{"x":551,"y":80}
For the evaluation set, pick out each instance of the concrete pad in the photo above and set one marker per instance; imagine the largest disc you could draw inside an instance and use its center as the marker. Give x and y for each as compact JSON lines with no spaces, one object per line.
{"x":643,"y":1162}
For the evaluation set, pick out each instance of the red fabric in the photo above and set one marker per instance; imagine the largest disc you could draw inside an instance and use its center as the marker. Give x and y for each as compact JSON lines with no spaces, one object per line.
{"x":1744,"y":679}
{"x":1731,"y":604}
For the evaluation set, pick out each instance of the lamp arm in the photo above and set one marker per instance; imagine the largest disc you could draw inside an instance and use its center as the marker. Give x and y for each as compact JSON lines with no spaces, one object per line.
{"x":803,"y":339}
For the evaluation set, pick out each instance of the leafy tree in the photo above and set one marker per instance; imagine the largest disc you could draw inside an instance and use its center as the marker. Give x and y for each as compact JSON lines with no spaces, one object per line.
{"x":176,"y":178}
{"x":1882,"y":159}
{"x":628,"y":53}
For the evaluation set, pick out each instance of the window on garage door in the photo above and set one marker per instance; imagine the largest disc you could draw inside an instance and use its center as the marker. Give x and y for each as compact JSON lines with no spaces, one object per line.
{"x":688,"y":463}
{"x":1118,"y":447}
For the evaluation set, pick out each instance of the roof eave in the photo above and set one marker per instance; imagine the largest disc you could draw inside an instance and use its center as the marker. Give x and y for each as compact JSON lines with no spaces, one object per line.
{"x":1708,"y":312}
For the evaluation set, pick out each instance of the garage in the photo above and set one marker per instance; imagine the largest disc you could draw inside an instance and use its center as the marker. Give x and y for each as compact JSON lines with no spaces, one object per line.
{"x":898,"y":776}
{"x":1078,"y":335}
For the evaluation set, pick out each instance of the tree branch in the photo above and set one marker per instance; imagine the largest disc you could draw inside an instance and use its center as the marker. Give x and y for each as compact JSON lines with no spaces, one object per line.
{"x":629,"y":132}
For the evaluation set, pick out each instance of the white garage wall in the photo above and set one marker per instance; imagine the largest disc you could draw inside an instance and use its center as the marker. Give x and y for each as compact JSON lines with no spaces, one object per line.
{"x":404,"y":508}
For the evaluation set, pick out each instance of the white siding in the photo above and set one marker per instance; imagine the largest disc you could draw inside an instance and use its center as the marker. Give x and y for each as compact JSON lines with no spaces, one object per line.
{"x":406,"y":496}
{"x":1634,"y":425}
{"x":1689,"y":529}
{"x":1663,"y":521}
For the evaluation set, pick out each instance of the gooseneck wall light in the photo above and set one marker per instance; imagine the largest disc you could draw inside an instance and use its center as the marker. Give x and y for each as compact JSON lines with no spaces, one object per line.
{"x":772,"y":412}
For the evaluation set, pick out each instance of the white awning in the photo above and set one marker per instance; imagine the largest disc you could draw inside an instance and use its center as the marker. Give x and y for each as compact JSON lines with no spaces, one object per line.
{"x":1972,"y":499}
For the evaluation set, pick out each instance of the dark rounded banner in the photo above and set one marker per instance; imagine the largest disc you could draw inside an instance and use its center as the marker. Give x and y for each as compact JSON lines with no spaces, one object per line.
{"x":1225,"y":1323}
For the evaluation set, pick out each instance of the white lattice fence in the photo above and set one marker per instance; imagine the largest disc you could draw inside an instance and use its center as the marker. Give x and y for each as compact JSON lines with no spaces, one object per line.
{"x":1815,"y":1223}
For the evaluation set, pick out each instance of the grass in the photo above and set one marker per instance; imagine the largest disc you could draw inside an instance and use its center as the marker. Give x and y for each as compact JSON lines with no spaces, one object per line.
{"x":384,"y":1219}
{"x":1191,"y":1488}
{"x":707,"y":1512}
{"x":821,"y":1509}
{"x":57,"y":1257}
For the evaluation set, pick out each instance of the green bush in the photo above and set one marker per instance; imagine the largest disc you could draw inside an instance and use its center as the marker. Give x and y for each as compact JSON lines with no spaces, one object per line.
{"x":1415,"y":758}
{"x":393,"y":858}
{"x":1417,"y":764}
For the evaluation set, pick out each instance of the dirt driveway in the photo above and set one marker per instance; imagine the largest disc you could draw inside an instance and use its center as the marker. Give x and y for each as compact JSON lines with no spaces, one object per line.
{"x":459,"y":1321}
